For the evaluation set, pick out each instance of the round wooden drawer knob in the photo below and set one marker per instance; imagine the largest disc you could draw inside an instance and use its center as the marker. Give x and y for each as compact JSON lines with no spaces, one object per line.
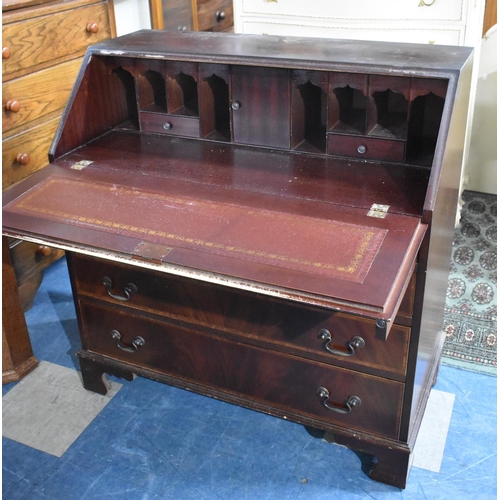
{"x":23,"y":158}
{"x":44,"y":250}
{"x":6,"y":52}
{"x":13,"y":106}
{"x":92,"y":28}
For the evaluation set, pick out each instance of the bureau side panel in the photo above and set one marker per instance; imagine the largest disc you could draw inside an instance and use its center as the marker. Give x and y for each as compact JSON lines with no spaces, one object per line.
{"x":98,"y":103}
{"x":440,"y":211}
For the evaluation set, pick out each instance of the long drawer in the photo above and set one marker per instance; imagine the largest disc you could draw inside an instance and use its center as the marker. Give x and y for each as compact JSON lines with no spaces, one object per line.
{"x":27,"y":152}
{"x":39,"y":40}
{"x":315,"y":333}
{"x":330,"y":394}
{"x":36,"y":95}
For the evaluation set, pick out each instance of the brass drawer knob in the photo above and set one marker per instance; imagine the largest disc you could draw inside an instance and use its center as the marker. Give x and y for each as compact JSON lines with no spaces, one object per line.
{"x":44,"y":250}
{"x":93,"y":28}
{"x":13,"y":106}
{"x":6,"y":52}
{"x":23,"y":158}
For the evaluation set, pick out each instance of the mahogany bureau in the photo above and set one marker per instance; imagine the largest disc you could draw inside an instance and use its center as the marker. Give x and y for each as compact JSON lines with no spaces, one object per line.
{"x":263,"y":220}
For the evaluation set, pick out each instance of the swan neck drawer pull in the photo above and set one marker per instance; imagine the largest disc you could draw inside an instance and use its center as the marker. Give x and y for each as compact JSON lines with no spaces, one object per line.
{"x":355,"y":343}
{"x":128,"y":290}
{"x":348,"y":405}
{"x":134,"y":346}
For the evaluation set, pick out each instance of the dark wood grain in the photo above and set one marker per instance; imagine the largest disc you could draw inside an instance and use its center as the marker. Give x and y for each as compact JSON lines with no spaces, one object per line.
{"x":262,"y":375}
{"x":263,"y":116}
{"x":17,"y":355}
{"x":245,"y":317}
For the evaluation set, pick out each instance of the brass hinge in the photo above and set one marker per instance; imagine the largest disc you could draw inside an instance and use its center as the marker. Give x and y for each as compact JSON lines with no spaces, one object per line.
{"x":379,"y":211}
{"x":80,"y":165}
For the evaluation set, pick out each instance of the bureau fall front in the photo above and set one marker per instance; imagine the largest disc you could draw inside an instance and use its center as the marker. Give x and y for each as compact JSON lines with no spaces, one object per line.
{"x":263,"y":220}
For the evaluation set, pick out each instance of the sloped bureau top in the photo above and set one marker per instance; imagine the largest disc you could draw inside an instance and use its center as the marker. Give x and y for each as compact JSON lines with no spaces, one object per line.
{"x":288,"y":52}
{"x":254,"y":162}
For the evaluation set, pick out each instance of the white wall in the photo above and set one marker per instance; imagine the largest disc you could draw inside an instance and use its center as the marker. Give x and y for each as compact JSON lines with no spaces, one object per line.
{"x":482,"y":164}
{"x":131,"y":15}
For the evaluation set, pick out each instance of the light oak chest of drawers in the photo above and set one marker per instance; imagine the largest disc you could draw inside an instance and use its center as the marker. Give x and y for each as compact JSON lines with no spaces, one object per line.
{"x":42,"y":47}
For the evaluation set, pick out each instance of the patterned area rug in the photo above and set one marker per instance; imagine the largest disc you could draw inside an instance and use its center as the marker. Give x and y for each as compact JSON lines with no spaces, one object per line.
{"x":470,"y":319}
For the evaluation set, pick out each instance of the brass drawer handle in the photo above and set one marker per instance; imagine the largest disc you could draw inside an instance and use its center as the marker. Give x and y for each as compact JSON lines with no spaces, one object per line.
{"x":136,"y":343}
{"x":355,"y":343}
{"x":423,"y":3}
{"x":348,"y":405}
{"x":128,"y":290}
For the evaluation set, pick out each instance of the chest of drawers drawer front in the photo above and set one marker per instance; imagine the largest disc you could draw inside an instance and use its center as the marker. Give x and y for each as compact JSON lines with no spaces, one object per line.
{"x":47,"y":38}
{"x":248,"y":317}
{"x":264,"y":376}
{"x":366,"y":147}
{"x":37,"y":94}
{"x":360,"y":10}
{"x":434,"y":35}
{"x":214,"y":15}
{"x":27,"y":152}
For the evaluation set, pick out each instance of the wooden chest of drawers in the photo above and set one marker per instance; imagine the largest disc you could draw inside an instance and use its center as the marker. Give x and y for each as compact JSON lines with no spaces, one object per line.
{"x":42,"y":47}
{"x":192,"y":15}
{"x":452,"y":22}
{"x":237,"y":223}
{"x":41,"y":55}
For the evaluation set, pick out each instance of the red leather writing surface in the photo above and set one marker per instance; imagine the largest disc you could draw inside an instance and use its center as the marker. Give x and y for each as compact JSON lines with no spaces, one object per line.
{"x":312,"y":245}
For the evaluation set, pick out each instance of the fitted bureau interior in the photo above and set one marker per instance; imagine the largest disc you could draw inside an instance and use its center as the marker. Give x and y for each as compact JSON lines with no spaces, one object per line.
{"x":372,"y":117}
{"x":279,"y":141}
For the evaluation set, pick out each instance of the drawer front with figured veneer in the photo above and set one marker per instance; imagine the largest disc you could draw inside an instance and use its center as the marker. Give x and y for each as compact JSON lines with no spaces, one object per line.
{"x":27,"y":152}
{"x":37,"y":95}
{"x":46,"y":38}
{"x":315,"y":333}
{"x":214,"y":15}
{"x":284,"y":383}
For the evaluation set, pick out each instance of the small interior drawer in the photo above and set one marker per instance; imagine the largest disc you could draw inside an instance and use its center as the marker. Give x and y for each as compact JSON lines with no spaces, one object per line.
{"x":318,"y":334}
{"x":254,"y":374}
{"x":366,"y":147}
{"x":159,"y":123}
